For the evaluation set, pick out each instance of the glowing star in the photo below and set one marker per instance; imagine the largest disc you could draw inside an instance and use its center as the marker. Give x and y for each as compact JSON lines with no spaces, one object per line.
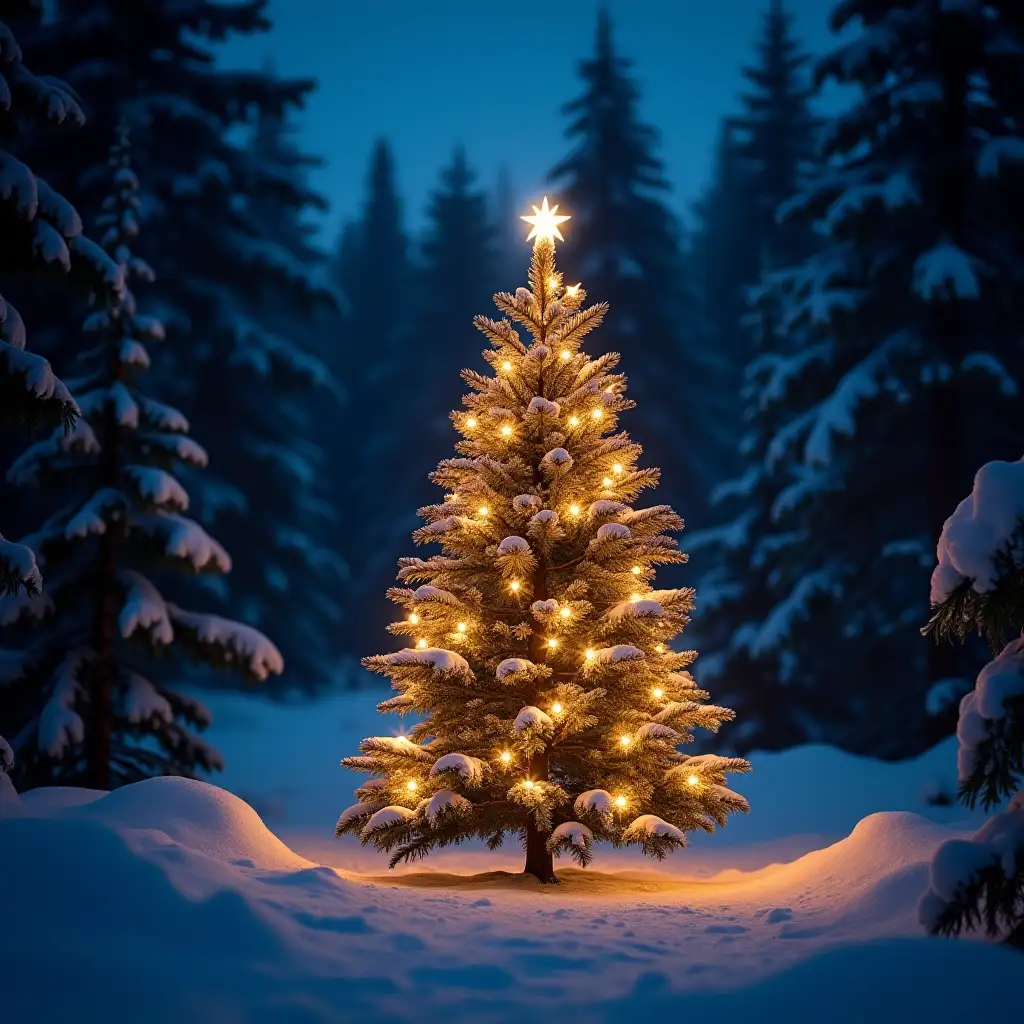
{"x":545,"y":222}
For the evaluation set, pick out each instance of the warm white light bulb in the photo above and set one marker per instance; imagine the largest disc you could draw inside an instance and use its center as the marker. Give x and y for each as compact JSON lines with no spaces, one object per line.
{"x":483,"y":510}
{"x":657,"y":693}
{"x":565,"y":354}
{"x":574,"y":510}
{"x":572,"y":291}
{"x":597,"y":414}
{"x":506,"y":366}
{"x":634,"y":598}
{"x":414,"y":618}
{"x":566,"y":613}
{"x":552,"y":282}
{"x":528,"y":783}
{"x":693,"y":781}
{"x":506,"y":756}
{"x":461,"y":627}
{"x":625,"y":740}
{"x":506,"y":431}
{"x":620,"y":801}
{"x":660,"y":648}
{"x":421,"y":644}
{"x":552,"y":643}
{"x":617,"y":468}
{"x":471,"y":422}
{"x":556,"y":708}
{"x":412,"y":785}
{"x":514,"y":586}
{"x":574,"y":421}
{"x":636,"y":570}
{"x":590,"y":654}
{"x":607,"y":481}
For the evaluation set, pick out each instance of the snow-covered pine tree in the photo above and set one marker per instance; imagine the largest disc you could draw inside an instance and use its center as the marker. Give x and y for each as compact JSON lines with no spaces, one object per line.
{"x":552,"y":704}
{"x":613,"y":180}
{"x":85,"y":699}
{"x":978,"y":585}
{"x":293,"y":590}
{"x":39,"y":231}
{"x":910,"y":371}
{"x":769,"y":157}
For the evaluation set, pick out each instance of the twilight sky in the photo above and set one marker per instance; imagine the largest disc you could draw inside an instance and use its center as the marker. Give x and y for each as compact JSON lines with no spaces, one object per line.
{"x":492,"y":74}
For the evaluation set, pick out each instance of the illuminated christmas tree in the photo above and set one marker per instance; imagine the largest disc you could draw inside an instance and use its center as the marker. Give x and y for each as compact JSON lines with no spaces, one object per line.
{"x":551,"y":702}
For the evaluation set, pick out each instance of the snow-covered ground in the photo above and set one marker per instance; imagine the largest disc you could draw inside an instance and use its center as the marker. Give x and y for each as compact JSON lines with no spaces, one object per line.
{"x":172,"y":901}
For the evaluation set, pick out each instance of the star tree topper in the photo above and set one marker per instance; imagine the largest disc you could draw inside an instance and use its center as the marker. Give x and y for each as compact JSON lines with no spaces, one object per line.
{"x":545,"y":222}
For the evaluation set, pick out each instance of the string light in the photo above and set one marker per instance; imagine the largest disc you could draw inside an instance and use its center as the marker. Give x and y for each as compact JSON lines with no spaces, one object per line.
{"x":597,"y":414}
{"x":636,"y":570}
{"x":414,"y":618}
{"x":657,"y":693}
{"x":506,"y":756}
{"x":566,"y":613}
{"x":590,"y":654}
{"x":552,"y":282}
{"x":506,"y":366}
{"x":607,"y":481}
{"x":633,"y":598}
{"x":461,"y":627}
{"x":617,"y":468}
{"x":556,"y":708}
{"x":620,"y":801}
{"x":412,"y":785}
{"x":528,"y":783}
{"x":514,"y":586}
{"x":572,"y":291}
{"x":552,"y":643}
{"x":574,"y":421}
{"x":421,"y":644}
{"x":483,"y":510}
{"x":506,"y":431}
{"x":625,"y":740}
{"x":574,"y":510}
{"x":660,"y":648}
{"x":565,"y":354}
{"x":693,"y":781}
{"x":471,"y":422}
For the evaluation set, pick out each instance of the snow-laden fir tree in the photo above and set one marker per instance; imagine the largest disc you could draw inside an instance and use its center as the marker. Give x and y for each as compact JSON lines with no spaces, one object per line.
{"x":85,"y":698}
{"x":978,"y":585}
{"x":39,"y":231}
{"x":909,"y":312}
{"x":551,"y":701}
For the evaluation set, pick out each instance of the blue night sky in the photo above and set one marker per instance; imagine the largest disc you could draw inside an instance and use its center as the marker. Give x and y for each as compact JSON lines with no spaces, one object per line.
{"x":493,"y":74}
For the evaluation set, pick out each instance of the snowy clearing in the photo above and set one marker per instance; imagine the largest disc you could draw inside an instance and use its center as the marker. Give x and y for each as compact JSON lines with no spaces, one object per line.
{"x":177,"y":888}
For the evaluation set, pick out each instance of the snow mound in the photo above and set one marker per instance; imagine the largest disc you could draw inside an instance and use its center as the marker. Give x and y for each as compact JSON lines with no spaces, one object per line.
{"x":532,"y":717}
{"x":198,"y":816}
{"x":514,"y":545}
{"x":512,"y":665}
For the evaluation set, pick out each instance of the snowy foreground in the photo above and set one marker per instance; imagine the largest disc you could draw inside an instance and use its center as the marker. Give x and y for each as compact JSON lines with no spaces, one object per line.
{"x":172,"y":901}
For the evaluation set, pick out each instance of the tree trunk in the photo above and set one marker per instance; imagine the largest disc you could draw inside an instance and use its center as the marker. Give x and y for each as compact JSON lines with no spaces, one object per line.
{"x":539,"y":861}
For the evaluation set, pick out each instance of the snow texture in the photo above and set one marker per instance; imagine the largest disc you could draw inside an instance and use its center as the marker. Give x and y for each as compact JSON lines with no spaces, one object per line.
{"x":598,"y":801}
{"x":445,"y":799}
{"x":983,"y":524}
{"x":543,"y":406}
{"x":652,"y":825}
{"x":575,"y":832}
{"x":606,"y":507}
{"x":532,"y":717}
{"x":469,"y":769}
{"x":514,"y":545}
{"x":143,"y":607}
{"x":440,"y":660}
{"x":548,"y":607}
{"x":525,"y":502}
{"x":634,"y":609}
{"x":20,"y":562}
{"x":613,"y":531}
{"x":620,"y":652}
{"x":557,"y":458}
{"x":144,"y":703}
{"x":946,"y":268}
{"x":512,"y":665}
{"x":390,"y":815}
{"x":248,"y":647}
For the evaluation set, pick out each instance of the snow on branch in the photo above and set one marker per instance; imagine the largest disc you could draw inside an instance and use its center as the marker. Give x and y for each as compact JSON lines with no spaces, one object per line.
{"x":18,"y":568}
{"x":229,"y":642}
{"x":143,"y":607}
{"x":946,"y":270}
{"x":441,"y":661}
{"x":470,"y":769}
{"x":444,"y":801}
{"x":60,"y":724}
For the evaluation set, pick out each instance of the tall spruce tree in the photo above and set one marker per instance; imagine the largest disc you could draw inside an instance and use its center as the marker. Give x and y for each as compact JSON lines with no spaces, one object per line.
{"x":293,"y":589}
{"x":629,"y":250}
{"x":40,"y":232}
{"x":552,"y":704}
{"x":154,"y":64}
{"x":769,"y":154}
{"x":86,"y":696}
{"x":376,"y":274}
{"x":911,"y":311}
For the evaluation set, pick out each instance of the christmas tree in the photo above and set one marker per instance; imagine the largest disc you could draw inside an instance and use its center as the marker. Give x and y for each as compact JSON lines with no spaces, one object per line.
{"x":551,"y":703}
{"x":85,"y":697}
{"x":978,"y":586}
